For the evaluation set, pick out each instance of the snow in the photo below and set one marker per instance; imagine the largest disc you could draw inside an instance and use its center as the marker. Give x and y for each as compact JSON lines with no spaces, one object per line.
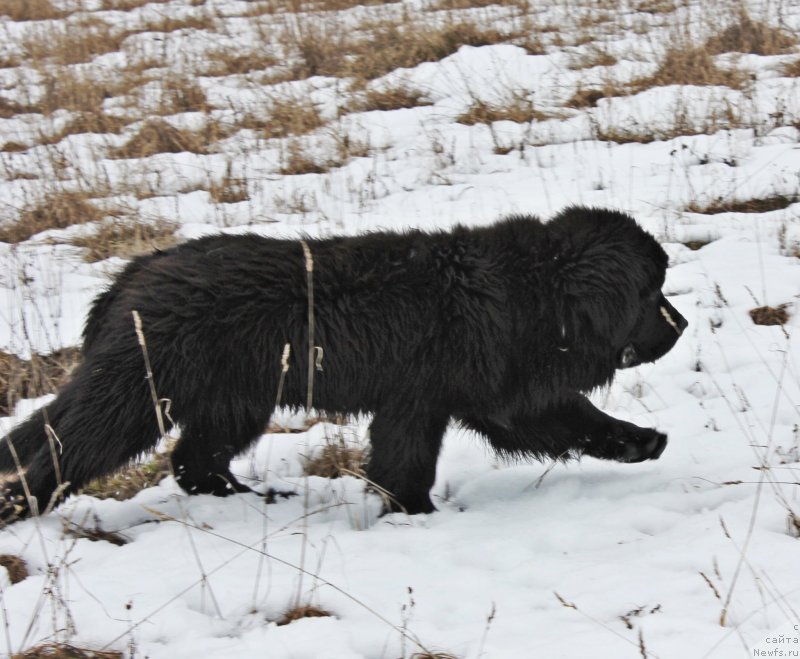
{"x":586,"y":559}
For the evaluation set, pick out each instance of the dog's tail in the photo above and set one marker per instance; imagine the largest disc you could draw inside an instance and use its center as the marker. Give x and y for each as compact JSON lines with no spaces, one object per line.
{"x":101,"y":419}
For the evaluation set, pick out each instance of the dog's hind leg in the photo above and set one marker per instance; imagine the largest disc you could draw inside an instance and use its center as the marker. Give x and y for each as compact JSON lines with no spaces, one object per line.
{"x":201,"y":460}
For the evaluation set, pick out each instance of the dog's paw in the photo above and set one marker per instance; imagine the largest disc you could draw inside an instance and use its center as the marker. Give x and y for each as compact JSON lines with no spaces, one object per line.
{"x":646,"y":445}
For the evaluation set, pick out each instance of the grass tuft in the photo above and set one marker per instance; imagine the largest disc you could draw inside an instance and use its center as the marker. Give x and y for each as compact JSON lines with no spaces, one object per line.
{"x":30,"y":10}
{"x":398,"y":97}
{"x":16,"y":567}
{"x":34,"y":377}
{"x":59,"y":210}
{"x":128,"y":482}
{"x":758,"y":205}
{"x":125,"y":239}
{"x":687,"y":65}
{"x":157,"y":136}
{"x":749,"y":36}
{"x":518,"y":109}
{"x":65,"y":651}
{"x":336,"y":459}
{"x":304,"y":611}
{"x":770,"y":315}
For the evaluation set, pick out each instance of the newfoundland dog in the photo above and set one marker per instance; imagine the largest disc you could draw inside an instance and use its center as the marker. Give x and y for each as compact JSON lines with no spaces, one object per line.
{"x":502,"y":329}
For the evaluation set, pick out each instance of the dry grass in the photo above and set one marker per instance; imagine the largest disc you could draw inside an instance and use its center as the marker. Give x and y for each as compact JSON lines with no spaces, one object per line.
{"x":68,"y":89}
{"x":592,"y":57}
{"x":791,"y":69}
{"x":588,"y":97}
{"x":30,"y":10}
{"x":124,"y":238}
{"x":16,"y":567}
{"x":127,"y":5}
{"x":89,"y":122}
{"x":94,"y":534}
{"x":297,"y":160}
{"x":58,"y":210}
{"x":749,"y":36}
{"x":65,"y":651}
{"x":770,"y":315}
{"x":336,"y":459}
{"x":226,"y":62}
{"x":182,"y":95}
{"x":229,"y":190}
{"x":128,"y":482}
{"x":304,"y":611}
{"x":14,"y":147}
{"x":166,"y":23}
{"x":34,"y":377}
{"x":292,"y":116}
{"x":398,"y":97}
{"x":757,"y":205}
{"x":688,"y":65}
{"x":156,"y":136}
{"x":656,"y":6}
{"x":518,"y":109}
{"x":74,"y":43}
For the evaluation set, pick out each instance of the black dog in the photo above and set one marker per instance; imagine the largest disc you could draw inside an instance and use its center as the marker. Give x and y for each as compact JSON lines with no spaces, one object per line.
{"x":499,"y":328}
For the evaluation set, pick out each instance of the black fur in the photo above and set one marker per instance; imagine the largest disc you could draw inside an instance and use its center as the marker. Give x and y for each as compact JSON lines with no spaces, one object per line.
{"x":499,"y":328}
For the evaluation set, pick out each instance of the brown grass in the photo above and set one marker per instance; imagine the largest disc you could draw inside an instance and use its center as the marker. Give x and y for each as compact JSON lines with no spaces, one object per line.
{"x":16,"y":567}
{"x":182,"y":95}
{"x":128,"y":482}
{"x":791,"y":69}
{"x":229,"y":190}
{"x":29,"y":10}
{"x":226,"y":62}
{"x":391,"y":98}
{"x":127,"y":5}
{"x":304,"y":611}
{"x":390,"y":47}
{"x":156,"y":136}
{"x":72,"y":90}
{"x":124,"y":238}
{"x":758,"y":205}
{"x":166,"y":23}
{"x":687,"y":65}
{"x":65,"y":651}
{"x":14,"y":147}
{"x":656,"y":6}
{"x":770,"y":315}
{"x":89,"y":122}
{"x":299,"y":161}
{"x":749,"y":36}
{"x":588,"y":98}
{"x":57,"y":211}
{"x":94,"y":534}
{"x":34,"y":377}
{"x":592,"y":57}
{"x":336,"y":459}
{"x":74,"y":43}
{"x":292,"y":116}
{"x":517,"y":108}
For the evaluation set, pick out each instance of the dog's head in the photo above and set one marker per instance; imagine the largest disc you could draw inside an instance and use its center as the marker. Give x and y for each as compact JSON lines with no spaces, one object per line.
{"x":609,"y":275}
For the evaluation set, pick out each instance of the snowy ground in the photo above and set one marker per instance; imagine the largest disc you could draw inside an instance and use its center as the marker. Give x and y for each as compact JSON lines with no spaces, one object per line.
{"x":694,"y":555}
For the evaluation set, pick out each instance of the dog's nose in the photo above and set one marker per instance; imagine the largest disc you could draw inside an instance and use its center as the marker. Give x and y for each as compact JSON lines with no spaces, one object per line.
{"x":671,"y":315}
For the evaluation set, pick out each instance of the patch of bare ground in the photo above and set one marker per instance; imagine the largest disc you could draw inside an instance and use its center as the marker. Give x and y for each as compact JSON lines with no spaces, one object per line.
{"x":589,"y":96}
{"x":34,"y":377}
{"x":594,"y":56}
{"x":791,"y":69}
{"x":127,"y":5}
{"x":227,"y":62}
{"x":58,"y":210}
